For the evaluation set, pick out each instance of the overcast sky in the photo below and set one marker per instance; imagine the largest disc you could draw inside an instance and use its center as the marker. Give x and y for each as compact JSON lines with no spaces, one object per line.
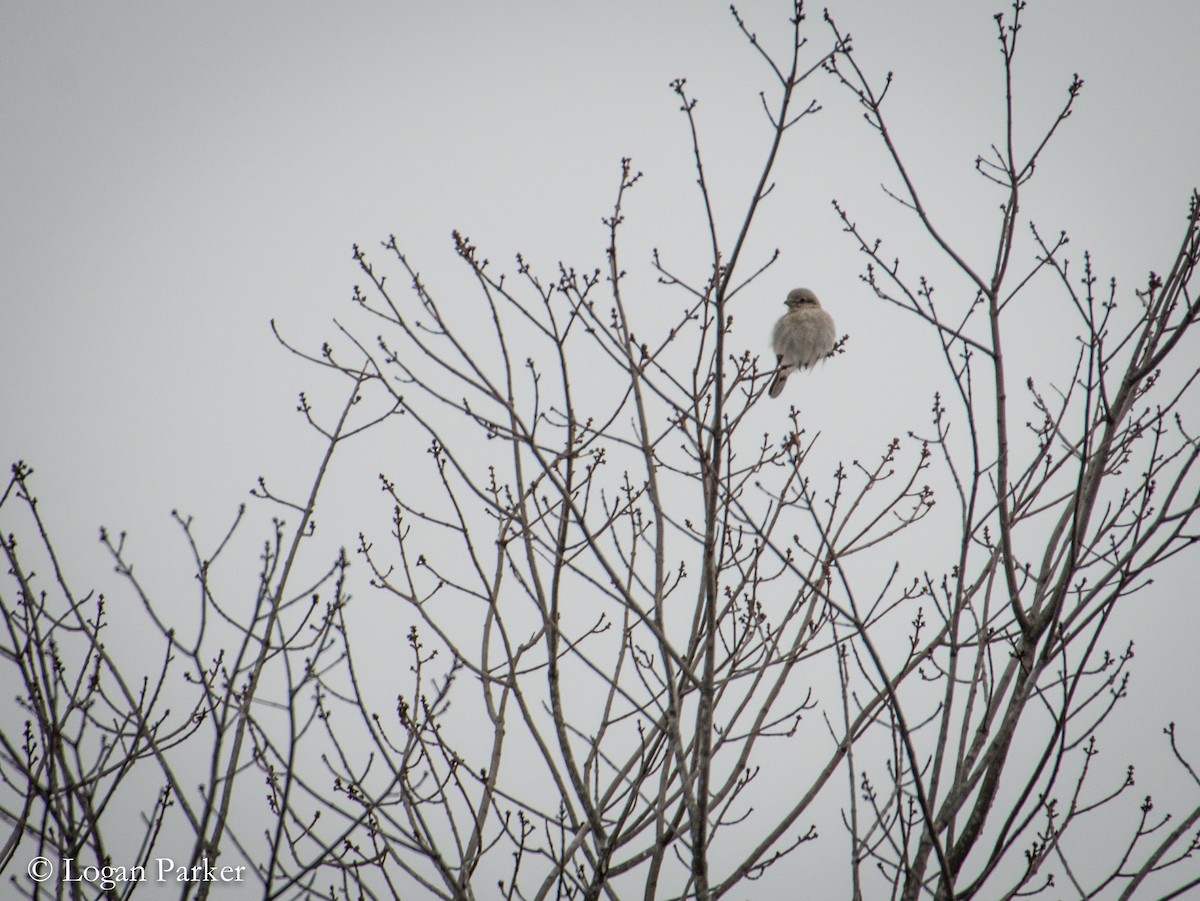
{"x":176,"y":175}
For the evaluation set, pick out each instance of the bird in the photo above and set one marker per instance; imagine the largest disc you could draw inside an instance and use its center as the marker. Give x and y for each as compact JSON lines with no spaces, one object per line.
{"x":802,"y":337}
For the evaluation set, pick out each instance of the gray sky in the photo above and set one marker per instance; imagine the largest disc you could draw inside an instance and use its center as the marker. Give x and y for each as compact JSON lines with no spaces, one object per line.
{"x":176,"y":175}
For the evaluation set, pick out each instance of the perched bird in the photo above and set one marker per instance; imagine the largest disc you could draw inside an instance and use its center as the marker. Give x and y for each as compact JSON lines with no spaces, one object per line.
{"x":803,"y":336}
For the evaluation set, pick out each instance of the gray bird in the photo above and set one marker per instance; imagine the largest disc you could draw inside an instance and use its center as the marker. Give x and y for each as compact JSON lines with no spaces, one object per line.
{"x":802,"y":337}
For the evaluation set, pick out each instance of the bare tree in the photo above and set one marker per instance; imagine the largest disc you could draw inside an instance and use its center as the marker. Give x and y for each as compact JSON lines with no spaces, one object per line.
{"x":1052,"y":537}
{"x":640,"y":659}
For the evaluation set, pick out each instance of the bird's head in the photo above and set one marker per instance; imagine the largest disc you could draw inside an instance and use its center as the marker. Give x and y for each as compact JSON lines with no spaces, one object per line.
{"x":798,"y":298}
